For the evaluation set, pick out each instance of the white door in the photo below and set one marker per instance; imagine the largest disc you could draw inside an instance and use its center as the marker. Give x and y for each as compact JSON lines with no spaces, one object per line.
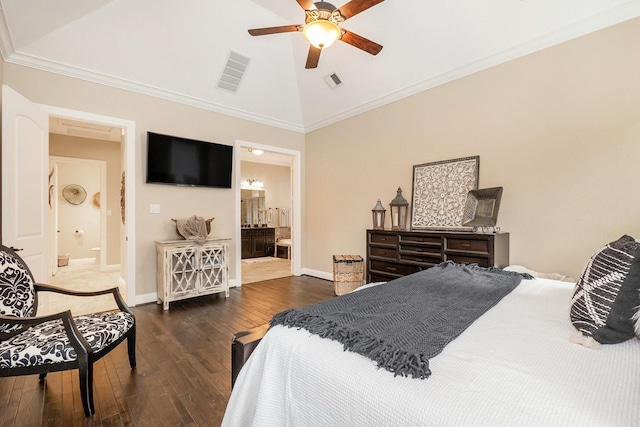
{"x":53,"y":206}
{"x":25,"y":166}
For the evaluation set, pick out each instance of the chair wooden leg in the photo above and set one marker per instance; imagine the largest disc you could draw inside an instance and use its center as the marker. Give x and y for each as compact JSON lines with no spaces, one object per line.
{"x":131,"y":345}
{"x":86,"y":388}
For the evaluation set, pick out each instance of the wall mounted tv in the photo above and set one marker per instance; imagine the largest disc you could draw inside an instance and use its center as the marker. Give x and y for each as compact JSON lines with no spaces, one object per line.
{"x":187,"y":162}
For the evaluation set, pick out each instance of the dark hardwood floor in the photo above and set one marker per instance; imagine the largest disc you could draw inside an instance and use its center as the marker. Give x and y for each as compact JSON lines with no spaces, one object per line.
{"x":183,"y":377}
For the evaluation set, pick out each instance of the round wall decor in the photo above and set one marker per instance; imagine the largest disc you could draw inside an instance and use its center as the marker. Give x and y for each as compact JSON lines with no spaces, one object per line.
{"x":74,"y":194}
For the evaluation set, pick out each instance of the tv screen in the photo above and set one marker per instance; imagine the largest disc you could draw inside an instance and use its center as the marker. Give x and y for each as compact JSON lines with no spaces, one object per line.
{"x":187,"y":162}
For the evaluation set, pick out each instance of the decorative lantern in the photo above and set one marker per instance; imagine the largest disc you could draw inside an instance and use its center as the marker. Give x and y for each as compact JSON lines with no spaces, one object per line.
{"x":378,"y":212}
{"x":399,"y":207}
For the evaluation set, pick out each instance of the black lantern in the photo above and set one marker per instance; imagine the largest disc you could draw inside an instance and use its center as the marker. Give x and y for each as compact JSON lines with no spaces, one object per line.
{"x":399,"y":207}
{"x":378,"y":212}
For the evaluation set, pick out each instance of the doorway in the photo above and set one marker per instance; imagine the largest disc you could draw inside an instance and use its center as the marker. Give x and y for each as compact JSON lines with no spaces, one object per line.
{"x":112,"y":140}
{"x":275,"y":176}
{"x":25,"y":225}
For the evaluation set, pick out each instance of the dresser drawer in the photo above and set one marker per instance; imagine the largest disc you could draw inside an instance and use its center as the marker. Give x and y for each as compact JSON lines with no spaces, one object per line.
{"x":415,"y":249}
{"x":468,"y":259}
{"x":428,"y":259}
{"x":390,"y":253}
{"x":417,"y":238}
{"x":399,"y":269}
{"x":471,"y":245}
{"x":385,"y":239}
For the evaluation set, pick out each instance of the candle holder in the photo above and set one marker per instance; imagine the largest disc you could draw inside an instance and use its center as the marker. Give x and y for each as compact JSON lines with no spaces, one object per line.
{"x":399,"y":207}
{"x":378,"y":213}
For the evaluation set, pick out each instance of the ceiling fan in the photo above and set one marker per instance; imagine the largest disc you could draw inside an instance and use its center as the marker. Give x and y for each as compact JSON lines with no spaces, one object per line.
{"x":322,"y":27}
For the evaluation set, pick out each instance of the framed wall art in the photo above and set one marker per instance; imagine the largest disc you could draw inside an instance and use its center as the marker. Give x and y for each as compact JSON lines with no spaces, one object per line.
{"x":440,"y":193}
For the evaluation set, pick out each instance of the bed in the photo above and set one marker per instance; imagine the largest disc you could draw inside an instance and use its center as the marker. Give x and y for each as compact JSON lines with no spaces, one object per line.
{"x":513,"y":366}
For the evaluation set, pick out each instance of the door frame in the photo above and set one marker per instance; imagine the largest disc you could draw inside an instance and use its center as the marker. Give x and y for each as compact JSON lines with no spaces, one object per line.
{"x":128,"y":256}
{"x":296,"y":204}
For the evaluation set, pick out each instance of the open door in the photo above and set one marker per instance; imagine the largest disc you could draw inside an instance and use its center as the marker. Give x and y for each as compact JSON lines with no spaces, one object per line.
{"x":53,"y":206}
{"x":25,"y":180}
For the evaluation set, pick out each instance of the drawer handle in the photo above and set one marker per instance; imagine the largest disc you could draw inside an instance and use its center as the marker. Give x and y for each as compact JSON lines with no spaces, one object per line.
{"x":465,"y":245}
{"x":392,"y":269}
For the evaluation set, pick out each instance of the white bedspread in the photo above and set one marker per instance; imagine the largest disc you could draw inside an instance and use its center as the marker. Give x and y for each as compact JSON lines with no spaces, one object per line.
{"x":514,"y":366}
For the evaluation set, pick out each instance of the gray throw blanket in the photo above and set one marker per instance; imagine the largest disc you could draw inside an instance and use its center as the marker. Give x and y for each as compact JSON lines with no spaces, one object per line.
{"x":405,"y":322}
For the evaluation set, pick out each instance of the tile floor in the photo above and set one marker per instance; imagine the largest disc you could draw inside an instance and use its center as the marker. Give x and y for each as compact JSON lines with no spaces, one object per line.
{"x":80,"y":278}
{"x":265,"y":268}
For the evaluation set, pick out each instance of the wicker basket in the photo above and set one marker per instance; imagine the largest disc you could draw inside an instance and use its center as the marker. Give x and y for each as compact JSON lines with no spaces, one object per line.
{"x":348,"y":273}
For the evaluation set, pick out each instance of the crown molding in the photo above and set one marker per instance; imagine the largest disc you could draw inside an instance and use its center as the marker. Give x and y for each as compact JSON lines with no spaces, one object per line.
{"x":614,"y":16}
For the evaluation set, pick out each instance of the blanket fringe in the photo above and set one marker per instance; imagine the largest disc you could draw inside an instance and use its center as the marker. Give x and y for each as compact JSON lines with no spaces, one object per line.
{"x":400,"y":362}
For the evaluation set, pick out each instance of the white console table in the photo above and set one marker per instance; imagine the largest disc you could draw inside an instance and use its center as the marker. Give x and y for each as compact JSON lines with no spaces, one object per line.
{"x":186,"y":269}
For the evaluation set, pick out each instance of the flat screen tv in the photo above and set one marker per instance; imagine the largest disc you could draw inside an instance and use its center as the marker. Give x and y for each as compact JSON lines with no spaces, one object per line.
{"x":187,"y":162}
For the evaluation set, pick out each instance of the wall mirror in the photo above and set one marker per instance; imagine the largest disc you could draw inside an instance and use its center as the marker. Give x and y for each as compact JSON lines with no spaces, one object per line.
{"x":252,"y":210}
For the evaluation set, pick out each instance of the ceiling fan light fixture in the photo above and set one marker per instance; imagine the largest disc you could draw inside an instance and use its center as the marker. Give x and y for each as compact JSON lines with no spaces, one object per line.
{"x":321,"y":33}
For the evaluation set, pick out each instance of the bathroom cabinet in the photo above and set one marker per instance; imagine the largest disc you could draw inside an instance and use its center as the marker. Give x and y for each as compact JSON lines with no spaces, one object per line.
{"x":186,"y":269}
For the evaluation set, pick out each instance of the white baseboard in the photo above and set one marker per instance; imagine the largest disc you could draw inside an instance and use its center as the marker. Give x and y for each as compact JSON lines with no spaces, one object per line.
{"x":317,"y":273}
{"x":81,"y":261}
{"x":110,"y":267}
{"x":146,"y":298}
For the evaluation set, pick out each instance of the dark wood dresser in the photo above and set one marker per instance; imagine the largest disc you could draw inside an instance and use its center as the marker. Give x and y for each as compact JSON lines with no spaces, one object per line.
{"x":393,"y":254}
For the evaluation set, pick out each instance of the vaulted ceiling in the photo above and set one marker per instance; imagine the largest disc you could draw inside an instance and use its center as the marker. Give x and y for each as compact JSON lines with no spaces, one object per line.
{"x":177,"y":50}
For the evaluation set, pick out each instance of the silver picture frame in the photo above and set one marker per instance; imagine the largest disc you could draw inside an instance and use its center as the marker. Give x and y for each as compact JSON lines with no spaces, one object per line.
{"x":440,"y":193}
{"x":481,"y":208}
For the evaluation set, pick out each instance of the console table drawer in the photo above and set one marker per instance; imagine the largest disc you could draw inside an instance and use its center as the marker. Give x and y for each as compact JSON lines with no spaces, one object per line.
{"x":468,"y":245}
{"x":390,"y":253}
{"x":399,"y":269}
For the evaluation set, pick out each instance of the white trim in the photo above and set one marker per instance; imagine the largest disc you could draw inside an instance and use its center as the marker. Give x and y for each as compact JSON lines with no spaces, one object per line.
{"x":129,"y":143}
{"x":145,"y":298}
{"x":317,"y":273}
{"x":597,"y":22}
{"x":296,"y":190}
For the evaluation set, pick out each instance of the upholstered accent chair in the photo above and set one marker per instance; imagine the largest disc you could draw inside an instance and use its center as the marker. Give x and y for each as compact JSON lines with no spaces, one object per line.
{"x":37,"y":345}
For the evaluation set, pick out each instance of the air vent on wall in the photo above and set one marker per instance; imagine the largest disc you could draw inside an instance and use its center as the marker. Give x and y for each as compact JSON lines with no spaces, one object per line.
{"x":233,"y":71}
{"x":333,"y":80}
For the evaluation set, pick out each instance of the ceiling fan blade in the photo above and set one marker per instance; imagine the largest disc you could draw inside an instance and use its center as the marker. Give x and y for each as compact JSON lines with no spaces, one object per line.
{"x":274,"y":30}
{"x":356,"y":6}
{"x":307,"y":4}
{"x":313,"y":57}
{"x":360,"y":42}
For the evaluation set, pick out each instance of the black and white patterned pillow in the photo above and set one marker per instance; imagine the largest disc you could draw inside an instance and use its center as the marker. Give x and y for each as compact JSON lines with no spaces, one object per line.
{"x":607,"y":292}
{"x":17,"y":296}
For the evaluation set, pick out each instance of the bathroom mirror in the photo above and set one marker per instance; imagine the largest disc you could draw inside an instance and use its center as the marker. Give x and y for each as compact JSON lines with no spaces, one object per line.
{"x":252,"y":209}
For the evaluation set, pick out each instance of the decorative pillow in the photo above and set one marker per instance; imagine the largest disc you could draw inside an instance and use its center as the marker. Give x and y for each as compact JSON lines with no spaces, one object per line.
{"x":607,"y":294}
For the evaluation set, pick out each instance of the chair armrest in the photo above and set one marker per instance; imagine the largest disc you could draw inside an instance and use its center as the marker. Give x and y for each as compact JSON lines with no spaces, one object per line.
{"x":42,"y":287}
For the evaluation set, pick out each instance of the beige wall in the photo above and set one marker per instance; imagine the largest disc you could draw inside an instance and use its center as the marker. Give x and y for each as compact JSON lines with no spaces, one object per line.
{"x":558,"y":129}
{"x":153,"y":114}
{"x":109,"y":151}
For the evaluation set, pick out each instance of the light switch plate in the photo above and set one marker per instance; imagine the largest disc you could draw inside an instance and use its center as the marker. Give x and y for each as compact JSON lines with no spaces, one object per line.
{"x":154,"y":208}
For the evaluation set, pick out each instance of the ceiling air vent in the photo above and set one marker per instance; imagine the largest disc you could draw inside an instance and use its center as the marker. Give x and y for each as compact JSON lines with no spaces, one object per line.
{"x":233,"y":71}
{"x":333,"y":80}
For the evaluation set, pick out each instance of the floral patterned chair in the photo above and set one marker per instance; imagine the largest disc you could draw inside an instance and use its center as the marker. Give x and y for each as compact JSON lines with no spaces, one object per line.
{"x":38,"y":345}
